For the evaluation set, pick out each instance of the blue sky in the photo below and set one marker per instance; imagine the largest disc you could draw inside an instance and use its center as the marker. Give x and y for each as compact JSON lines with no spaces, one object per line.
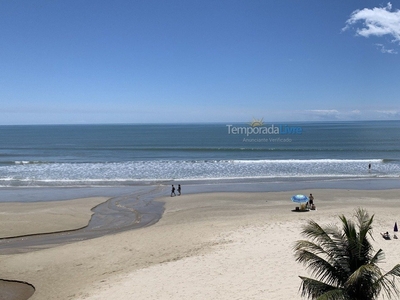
{"x":120,"y":61}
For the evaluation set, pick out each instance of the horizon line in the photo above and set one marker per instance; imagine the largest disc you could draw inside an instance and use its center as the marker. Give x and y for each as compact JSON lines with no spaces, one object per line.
{"x":199,"y":123}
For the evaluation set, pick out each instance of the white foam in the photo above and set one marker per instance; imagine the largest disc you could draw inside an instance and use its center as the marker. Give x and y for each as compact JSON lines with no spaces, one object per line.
{"x":87,"y":174}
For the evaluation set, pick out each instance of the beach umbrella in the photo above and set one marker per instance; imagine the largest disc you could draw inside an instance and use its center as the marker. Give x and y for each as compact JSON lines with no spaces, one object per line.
{"x":395,"y":227}
{"x":300,"y":198}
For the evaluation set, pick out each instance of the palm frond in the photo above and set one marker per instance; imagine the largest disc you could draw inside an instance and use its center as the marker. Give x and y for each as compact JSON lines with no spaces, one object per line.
{"x":327,"y":238}
{"x":322,"y":254}
{"x":387,"y":282}
{"x":319,"y":267}
{"x":378,"y":257}
{"x":360,"y":283}
{"x":337,"y":294}
{"x":364,"y":223}
{"x":313,"y":289}
{"x":395,"y":271}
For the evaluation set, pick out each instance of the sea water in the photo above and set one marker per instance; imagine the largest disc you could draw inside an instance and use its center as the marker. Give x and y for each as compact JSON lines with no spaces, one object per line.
{"x":110,"y":155}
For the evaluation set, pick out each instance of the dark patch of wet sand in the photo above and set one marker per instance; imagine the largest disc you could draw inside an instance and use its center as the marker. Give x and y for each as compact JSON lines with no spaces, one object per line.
{"x":15,"y":290}
{"x":117,"y":214}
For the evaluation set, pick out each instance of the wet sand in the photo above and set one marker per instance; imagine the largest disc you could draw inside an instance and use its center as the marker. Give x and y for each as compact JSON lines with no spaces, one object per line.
{"x":27,"y":227}
{"x":49,"y":224}
{"x":15,"y":290}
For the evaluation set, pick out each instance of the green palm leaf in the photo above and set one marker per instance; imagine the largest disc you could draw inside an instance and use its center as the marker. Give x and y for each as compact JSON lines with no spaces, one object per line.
{"x":343,"y":262}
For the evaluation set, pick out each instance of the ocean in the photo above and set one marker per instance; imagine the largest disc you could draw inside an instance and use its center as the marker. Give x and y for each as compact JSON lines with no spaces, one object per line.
{"x":124,"y":155}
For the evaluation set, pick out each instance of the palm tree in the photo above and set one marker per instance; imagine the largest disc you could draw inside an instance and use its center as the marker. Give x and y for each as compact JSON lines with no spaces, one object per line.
{"x":343,"y":262}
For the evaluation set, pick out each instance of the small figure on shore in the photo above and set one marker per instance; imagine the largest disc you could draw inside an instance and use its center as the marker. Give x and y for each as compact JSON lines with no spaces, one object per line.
{"x":386,"y":235}
{"x":173,"y":191}
{"x":311,"y":202}
{"x":311,"y":197}
{"x":369,"y":167}
{"x":179,"y":189}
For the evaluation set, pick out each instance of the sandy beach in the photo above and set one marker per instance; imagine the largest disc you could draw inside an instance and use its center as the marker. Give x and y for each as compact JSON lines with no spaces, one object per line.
{"x":19,"y":219}
{"x":225,"y":245}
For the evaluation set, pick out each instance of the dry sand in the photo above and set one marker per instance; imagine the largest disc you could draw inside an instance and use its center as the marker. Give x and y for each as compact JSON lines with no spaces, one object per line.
{"x":206,"y":246}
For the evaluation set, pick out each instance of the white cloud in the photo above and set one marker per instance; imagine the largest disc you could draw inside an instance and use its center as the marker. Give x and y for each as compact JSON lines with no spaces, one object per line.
{"x":383,"y":49}
{"x":326,"y":114}
{"x":390,"y":114}
{"x":378,"y":21}
{"x":346,"y":115}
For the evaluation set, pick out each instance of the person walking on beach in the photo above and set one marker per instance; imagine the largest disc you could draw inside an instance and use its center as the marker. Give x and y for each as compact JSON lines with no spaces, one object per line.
{"x":369,"y":167}
{"x":173,"y":191}
{"x":179,"y":189}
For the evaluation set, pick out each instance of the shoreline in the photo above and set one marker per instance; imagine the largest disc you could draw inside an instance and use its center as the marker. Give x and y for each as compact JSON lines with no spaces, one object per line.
{"x":43,"y":194}
{"x":129,"y":184}
{"x":199,"y":228}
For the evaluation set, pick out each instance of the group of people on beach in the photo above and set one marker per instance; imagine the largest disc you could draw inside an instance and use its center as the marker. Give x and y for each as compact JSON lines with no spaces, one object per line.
{"x":173,"y":190}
